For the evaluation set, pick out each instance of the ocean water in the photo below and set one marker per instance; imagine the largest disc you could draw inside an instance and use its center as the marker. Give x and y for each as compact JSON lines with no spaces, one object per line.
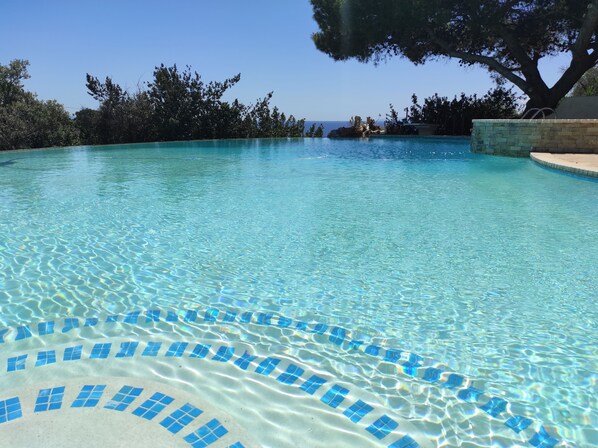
{"x":481,"y":266}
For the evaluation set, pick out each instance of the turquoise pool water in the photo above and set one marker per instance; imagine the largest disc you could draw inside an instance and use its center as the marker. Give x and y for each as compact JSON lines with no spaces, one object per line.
{"x":483,"y":266}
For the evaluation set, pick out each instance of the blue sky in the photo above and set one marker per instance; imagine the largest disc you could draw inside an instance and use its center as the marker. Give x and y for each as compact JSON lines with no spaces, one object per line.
{"x":267,"y":41}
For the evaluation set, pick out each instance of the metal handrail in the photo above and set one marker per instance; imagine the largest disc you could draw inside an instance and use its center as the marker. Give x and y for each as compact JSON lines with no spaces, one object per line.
{"x":537,"y":111}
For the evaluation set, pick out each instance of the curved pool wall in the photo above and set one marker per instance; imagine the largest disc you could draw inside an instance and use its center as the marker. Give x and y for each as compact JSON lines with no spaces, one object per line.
{"x":447,"y":291}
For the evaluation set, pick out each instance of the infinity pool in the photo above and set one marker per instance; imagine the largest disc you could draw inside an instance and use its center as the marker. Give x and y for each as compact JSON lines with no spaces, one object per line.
{"x":384,"y":292}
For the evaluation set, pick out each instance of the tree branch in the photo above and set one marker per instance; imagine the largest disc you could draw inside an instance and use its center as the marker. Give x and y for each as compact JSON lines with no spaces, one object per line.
{"x":491,"y":63}
{"x":586,"y":31}
{"x":574,"y":72}
{"x":529,"y":66}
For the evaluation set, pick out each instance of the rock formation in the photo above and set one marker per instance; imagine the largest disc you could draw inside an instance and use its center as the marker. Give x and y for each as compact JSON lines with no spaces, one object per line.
{"x":358,"y":129}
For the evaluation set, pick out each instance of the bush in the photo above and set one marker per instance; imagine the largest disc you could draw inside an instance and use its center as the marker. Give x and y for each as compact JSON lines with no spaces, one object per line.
{"x":454,"y":117}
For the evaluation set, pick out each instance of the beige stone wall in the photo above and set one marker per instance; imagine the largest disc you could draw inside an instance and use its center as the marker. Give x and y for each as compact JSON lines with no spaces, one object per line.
{"x":518,"y":138}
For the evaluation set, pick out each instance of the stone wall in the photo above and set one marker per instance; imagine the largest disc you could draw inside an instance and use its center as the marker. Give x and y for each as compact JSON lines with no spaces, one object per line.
{"x":517,"y":138}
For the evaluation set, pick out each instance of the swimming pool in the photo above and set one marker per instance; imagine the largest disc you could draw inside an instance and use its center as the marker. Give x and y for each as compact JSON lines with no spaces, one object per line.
{"x":383,"y":292}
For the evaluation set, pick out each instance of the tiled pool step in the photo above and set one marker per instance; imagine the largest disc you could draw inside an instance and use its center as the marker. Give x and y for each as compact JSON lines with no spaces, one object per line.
{"x":405,"y":362}
{"x":180,"y":418}
{"x":365,"y":416}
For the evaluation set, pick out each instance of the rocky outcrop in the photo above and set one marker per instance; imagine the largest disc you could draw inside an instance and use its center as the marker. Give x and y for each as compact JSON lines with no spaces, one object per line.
{"x":358,"y":129}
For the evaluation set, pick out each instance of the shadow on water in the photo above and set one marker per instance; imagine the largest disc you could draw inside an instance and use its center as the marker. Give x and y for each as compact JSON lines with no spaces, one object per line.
{"x":8,"y":162}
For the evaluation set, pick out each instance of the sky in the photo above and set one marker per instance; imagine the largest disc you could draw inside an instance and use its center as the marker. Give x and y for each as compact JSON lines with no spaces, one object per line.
{"x":267,"y":41}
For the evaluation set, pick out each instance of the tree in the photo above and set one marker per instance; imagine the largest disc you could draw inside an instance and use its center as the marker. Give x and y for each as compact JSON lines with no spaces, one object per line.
{"x":587,"y":85}
{"x":508,"y":37}
{"x":11,"y":77}
{"x":25,"y":121}
{"x":178,"y":105}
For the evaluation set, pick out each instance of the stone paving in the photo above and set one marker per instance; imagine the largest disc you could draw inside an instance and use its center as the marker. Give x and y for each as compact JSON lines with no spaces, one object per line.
{"x":582,"y":164}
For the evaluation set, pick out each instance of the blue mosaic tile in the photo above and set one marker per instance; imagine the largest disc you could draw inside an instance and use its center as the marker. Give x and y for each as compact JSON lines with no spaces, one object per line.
{"x":44,"y":328}
{"x":382,"y":427}
{"x":357,"y":411}
{"x":236,"y":445}
{"x":181,"y":418}
{"x":153,"y":406}
{"x":301,"y":326}
{"x":334,"y":396}
{"x":404,"y":442}
{"x":246,"y":317}
{"x":10,"y":409}
{"x":89,"y":396}
{"x":211,"y":315}
{"x":49,"y":399}
{"x":16,"y":363}
{"x":2,"y":333}
{"x":410,"y":367}
{"x":229,"y":316}
{"x":284,"y":322}
{"x":23,"y":332}
{"x":207,"y":434}
{"x":176,"y":349}
{"x":518,"y":423}
{"x":171,"y":316}
{"x":453,"y":381}
{"x":123,"y":398}
{"x":190,"y":316}
{"x":542,"y":439}
{"x":152,"y":349}
{"x":337,"y":335}
{"x":373,"y":350}
{"x":266,"y":366}
{"x":91,"y":321}
{"x":72,"y":353}
{"x":70,"y":323}
{"x":224,"y":354}
{"x":100,"y":351}
{"x":432,"y":375}
{"x":127,"y":349}
{"x":392,"y":355}
{"x":265,"y":318}
{"x":291,"y":375}
{"x":312,"y":384}
{"x":46,"y":357}
{"x":495,"y":406}
{"x":152,"y":316}
{"x":132,"y":317}
{"x":355,"y":344}
{"x":200,"y":351}
{"x":244,"y":360}
{"x":471,"y":394}
{"x":112,"y":319}
{"x":320,"y":329}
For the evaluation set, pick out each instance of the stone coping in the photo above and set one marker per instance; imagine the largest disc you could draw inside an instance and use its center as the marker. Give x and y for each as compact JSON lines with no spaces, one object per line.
{"x":581,"y":164}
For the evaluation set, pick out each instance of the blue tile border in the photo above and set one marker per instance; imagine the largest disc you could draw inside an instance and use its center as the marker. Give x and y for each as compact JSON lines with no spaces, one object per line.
{"x":10,"y":409}
{"x":181,"y":418}
{"x":407,"y":363}
{"x":181,"y":414}
{"x":89,"y":396}
{"x":153,"y":406}
{"x":289,"y":375}
{"x":125,"y":396}
{"x":49,"y":399}
{"x":207,"y":434}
